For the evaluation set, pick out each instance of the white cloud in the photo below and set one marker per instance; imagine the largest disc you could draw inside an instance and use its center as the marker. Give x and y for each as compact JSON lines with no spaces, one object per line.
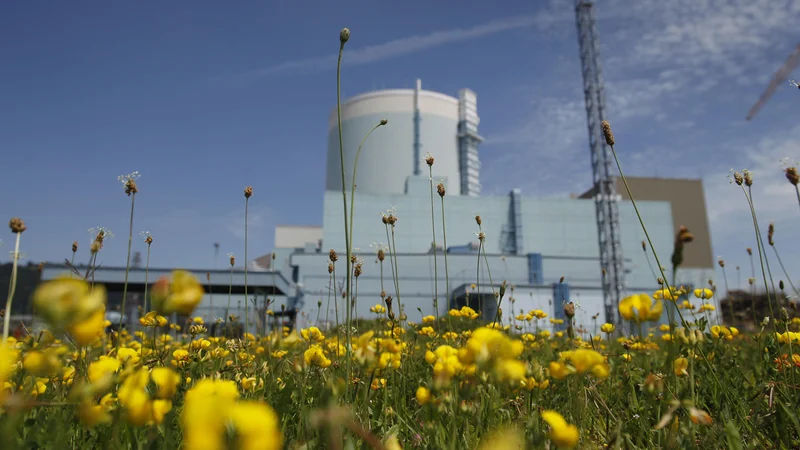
{"x":401,"y":46}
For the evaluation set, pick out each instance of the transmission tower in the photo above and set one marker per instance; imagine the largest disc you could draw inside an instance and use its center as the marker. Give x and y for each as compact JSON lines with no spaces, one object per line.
{"x":605,"y":198}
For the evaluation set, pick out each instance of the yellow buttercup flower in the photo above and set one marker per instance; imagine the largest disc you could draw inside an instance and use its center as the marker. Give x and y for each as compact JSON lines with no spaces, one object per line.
{"x":562,"y":434}
{"x":257,"y":426}
{"x":166,"y":381}
{"x":704,"y":293}
{"x":65,"y":301}
{"x":680,"y":366}
{"x":607,"y":328}
{"x":641,"y":308}
{"x":423,"y":395}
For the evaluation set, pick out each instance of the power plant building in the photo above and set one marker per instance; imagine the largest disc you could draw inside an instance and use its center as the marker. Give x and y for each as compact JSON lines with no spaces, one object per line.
{"x":546,"y":250}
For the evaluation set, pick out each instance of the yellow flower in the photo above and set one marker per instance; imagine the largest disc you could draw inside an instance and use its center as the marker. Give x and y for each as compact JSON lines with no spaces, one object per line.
{"x":90,"y":329}
{"x":640,"y":308}
{"x":207,"y":408}
{"x":558,"y":370}
{"x":423,"y":395}
{"x":41,"y":364}
{"x":160,"y":409}
{"x":428,"y":319}
{"x":103,"y":367}
{"x":378,"y":383}
{"x":680,"y":365}
{"x":315,"y":356}
{"x":703,"y":293}
{"x":607,"y":328}
{"x":664,"y":328}
{"x":562,"y":434}
{"x":65,"y":300}
{"x":180,"y":358}
{"x":152,"y":319}
{"x":312,"y":334}
{"x":627,"y":357}
{"x":707,"y":307}
{"x":257,"y":426}
{"x":134,"y":398}
{"x":128,"y":355}
{"x":378,"y":309}
{"x":92,"y":414}
{"x":664,"y":294}
{"x":166,"y":381}
{"x":179,"y":295}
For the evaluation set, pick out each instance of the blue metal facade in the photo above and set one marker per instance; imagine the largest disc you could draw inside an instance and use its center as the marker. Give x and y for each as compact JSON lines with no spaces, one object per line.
{"x":559,"y":235}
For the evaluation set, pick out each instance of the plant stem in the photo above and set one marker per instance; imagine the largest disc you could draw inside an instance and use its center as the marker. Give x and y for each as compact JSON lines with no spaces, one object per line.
{"x":397,"y":276}
{"x":11,"y":289}
{"x":230,"y":291}
{"x":349,"y":250}
{"x":127,"y":269}
{"x":761,"y":251}
{"x":446,"y":271}
{"x":788,"y":278}
{"x":246,"y":299}
{"x":435,"y":267}
{"x":146,"y":274}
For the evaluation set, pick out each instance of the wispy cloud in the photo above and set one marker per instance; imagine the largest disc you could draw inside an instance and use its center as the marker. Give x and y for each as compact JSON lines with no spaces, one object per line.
{"x":398,"y":47}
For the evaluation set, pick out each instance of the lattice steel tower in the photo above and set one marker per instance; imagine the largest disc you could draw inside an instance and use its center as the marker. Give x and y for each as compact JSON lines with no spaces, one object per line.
{"x":605,"y":197}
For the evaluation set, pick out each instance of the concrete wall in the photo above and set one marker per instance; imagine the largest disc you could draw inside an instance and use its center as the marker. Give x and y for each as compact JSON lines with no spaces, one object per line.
{"x":387,"y":157}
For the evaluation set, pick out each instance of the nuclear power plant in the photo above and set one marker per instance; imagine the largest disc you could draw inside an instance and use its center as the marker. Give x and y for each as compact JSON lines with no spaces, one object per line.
{"x":545,"y":249}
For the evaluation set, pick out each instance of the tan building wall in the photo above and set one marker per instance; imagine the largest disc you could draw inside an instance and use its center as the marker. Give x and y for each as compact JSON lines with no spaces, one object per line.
{"x":688,"y":202}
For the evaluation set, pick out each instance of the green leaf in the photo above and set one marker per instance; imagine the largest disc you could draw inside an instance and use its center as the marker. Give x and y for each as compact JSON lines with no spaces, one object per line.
{"x":732,"y":436}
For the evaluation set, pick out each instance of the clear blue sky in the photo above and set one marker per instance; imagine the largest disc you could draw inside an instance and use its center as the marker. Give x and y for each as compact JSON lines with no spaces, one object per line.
{"x":204,"y":98}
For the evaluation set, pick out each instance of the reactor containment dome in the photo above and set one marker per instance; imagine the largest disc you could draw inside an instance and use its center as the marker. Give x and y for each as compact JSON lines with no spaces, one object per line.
{"x":419,"y":122}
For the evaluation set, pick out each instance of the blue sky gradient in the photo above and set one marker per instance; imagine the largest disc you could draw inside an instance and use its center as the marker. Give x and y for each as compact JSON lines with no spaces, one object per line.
{"x":204,"y":98}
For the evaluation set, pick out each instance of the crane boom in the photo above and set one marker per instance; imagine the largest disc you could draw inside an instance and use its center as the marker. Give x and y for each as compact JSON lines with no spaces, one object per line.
{"x":605,"y":198}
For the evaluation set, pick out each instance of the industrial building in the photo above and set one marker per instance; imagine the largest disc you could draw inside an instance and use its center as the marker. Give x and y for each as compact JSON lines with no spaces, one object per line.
{"x":531,"y":243}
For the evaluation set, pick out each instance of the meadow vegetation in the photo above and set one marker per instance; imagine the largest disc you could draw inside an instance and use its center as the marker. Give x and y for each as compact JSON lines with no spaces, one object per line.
{"x":455,"y":381}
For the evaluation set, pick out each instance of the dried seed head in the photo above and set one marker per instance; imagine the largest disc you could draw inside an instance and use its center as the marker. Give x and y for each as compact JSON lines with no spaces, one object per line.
{"x":771,"y":233}
{"x":274,"y":256}
{"x":383,"y":294}
{"x":74,"y":246}
{"x":748,"y":177}
{"x":344,"y":35}
{"x":684,"y":235}
{"x":353,"y":259}
{"x":148,"y":240}
{"x":660,"y":281}
{"x":391,"y":219}
{"x":749,"y":251}
{"x":561,"y":280}
{"x":385,"y":220}
{"x":710,"y":282}
{"x":607,"y":133}
{"x":780,"y":284}
{"x":96,"y":246}
{"x":644,"y":246}
{"x":130,"y":187}
{"x":248,"y":192}
{"x":381,"y":255}
{"x":481,"y":236}
{"x":721,"y":262}
{"x":569,"y":310}
{"x":792,"y":175}
{"x":751,"y":281}
{"x":383,"y":122}
{"x":17,"y":225}
{"x":232,"y":259}
{"x":429,"y":160}
{"x":357,"y":270}
{"x":440,"y":189}
{"x":737,"y":177}
{"x":330,"y":268}
{"x":333,"y":256}
{"x":478,"y":220}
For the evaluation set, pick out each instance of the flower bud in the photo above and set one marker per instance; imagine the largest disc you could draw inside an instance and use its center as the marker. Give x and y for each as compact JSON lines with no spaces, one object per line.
{"x":344,"y":35}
